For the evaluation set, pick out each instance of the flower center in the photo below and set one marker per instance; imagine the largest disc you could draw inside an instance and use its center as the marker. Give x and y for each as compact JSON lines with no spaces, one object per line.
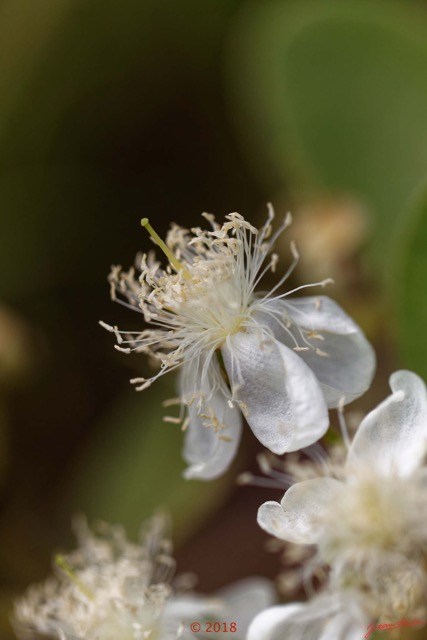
{"x":214,"y":306}
{"x":375,"y":535}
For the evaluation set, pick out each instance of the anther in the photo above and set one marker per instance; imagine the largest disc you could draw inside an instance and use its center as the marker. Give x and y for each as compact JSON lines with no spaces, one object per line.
{"x":163,"y":246}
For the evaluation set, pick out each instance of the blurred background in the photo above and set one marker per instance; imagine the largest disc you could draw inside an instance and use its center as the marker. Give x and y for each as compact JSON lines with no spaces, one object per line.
{"x":111,"y":111}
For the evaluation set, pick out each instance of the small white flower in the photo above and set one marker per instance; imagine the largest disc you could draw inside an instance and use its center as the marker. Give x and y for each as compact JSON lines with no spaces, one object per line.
{"x":369,"y":524}
{"x":108,"y":589}
{"x":281,"y":361}
{"x":112,"y":589}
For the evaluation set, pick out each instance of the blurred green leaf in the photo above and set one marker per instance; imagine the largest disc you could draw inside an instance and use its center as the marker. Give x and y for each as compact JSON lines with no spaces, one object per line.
{"x":51,"y":222}
{"x":334,"y":94}
{"x":78,"y":78}
{"x":409,"y":285}
{"x":81,"y":84}
{"x":134,"y":466}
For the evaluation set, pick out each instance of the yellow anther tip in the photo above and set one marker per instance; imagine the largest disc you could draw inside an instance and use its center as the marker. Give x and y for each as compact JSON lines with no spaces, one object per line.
{"x":144,"y":222}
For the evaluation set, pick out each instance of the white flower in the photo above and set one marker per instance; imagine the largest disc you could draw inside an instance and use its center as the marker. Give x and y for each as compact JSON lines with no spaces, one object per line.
{"x":326,"y":617}
{"x":281,"y":361}
{"x":112,"y":589}
{"x":370,"y":525}
{"x":108,"y":589}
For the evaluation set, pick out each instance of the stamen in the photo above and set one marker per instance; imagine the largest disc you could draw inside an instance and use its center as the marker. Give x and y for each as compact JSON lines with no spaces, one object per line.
{"x":343,"y":424}
{"x":248,"y":478}
{"x":62,"y":563}
{"x":172,"y":419}
{"x":163,"y":246}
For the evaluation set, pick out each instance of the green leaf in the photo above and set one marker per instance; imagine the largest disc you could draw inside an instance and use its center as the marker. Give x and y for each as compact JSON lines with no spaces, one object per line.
{"x":409,"y":285}
{"x":134,"y":466}
{"x":334,"y":95}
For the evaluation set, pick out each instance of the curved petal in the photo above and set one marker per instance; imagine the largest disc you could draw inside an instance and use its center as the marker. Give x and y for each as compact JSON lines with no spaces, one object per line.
{"x":392,"y":438}
{"x":273,"y":623}
{"x":295,"y":621}
{"x":299,"y":517}
{"x":181,"y":610}
{"x":273,"y":520}
{"x":244,"y":599}
{"x":198,"y":377}
{"x":211,"y":438}
{"x":324,"y":618}
{"x":279,"y":395}
{"x":343,"y":627}
{"x":320,"y":313}
{"x":347,"y":368}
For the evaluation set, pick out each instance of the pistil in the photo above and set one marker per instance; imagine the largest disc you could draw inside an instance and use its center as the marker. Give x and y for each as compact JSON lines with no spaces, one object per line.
{"x":62,"y":563}
{"x":163,"y":246}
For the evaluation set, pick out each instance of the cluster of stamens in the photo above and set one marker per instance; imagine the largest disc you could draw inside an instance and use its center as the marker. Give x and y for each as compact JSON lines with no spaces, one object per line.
{"x":107,"y":588}
{"x":205,"y":293}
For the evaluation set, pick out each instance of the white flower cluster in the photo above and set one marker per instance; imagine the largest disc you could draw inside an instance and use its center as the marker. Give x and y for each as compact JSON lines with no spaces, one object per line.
{"x":112,"y":589}
{"x":279,"y":363}
{"x":368,"y":524}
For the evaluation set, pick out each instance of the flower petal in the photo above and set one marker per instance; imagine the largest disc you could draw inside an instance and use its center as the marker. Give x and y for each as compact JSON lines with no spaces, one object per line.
{"x":211,"y":439}
{"x":273,"y":623}
{"x":347,"y":369}
{"x":320,"y":313}
{"x":298,"y":518}
{"x":184,"y":609}
{"x":342,"y":627}
{"x":392,"y":438}
{"x":324,"y":618}
{"x":279,"y":395}
{"x":244,"y":599}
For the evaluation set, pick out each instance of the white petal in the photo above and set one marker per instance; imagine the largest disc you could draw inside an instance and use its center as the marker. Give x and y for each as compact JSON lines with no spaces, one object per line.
{"x":280,"y":396}
{"x":342,"y":627}
{"x":198,"y":377}
{"x":272,"y":624}
{"x":184,"y":609}
{"x":324,"y":618}
{"x":347,"y":369}
{"x":392,"y":438}
{"x":299,"y":516}
{"x":209,"y":451}
{"x":295,"y":621}
{"x":320,"y":313}
{"x":273,"y":520}
{"x":243,"y":600}
{"x":347,"y":622}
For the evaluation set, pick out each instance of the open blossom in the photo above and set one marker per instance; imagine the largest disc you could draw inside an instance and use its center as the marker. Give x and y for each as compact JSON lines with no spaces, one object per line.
{"x":112,"y":589}
{"x":368,"y":522}
{"x":280,"y":361}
